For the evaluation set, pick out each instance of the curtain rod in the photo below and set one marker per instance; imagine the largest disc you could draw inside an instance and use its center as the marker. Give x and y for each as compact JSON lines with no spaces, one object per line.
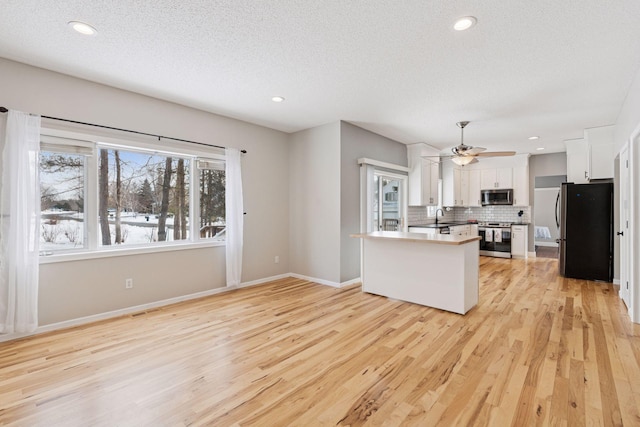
{"x":4,"y":110}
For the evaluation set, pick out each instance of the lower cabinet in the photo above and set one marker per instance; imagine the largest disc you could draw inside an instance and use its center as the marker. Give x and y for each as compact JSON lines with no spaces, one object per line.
{"x":519,"y":241}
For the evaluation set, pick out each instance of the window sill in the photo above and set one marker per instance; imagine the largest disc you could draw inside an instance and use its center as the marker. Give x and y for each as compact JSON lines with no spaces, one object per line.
{"x":125,"y":251}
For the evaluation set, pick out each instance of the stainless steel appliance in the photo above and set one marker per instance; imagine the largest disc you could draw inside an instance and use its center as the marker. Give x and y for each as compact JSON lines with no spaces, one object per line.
{"x":586,"y":231}
{"x":500,"y":196}
{"x":495,"y":239}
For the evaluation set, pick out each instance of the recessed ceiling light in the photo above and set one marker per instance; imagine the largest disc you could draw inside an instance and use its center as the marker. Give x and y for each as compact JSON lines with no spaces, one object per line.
{"x":464,"y":23}
{"x":277,"y":99}
{"x":532,"y":138}
{"x":82,"y":28}
{"x":540,"y":148}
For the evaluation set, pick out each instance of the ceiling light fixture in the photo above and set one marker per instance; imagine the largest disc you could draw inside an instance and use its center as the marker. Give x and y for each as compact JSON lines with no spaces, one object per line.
{"x":540,"y":148}
{"x":277,"y":99}
{"x":533,"y":138}
{"x":464,"y":23}
{"x":82,"y":28}
{"x":462,"y":160}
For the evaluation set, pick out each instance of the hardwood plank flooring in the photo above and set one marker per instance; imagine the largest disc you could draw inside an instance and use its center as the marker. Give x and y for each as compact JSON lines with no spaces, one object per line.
{"x":539,"y":349}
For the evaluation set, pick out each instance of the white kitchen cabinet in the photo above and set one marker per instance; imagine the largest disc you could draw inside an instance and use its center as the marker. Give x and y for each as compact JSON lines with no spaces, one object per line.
{"x":521,"y":186}
{"x":460,"y":230}
{"x":577,"y":161}
{"x":590,"y":157}
{"x":451,"y":192}
{"x":519,"y":241}
{"x":423,"y":230}
{"x":423,"y":175}
{"x":600,"y":143}
{"x":496,"y":178}
{"x":473,"y":188}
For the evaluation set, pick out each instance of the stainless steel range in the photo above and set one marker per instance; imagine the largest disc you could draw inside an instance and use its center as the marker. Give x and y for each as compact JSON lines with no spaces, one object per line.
{"x":495,"y":239}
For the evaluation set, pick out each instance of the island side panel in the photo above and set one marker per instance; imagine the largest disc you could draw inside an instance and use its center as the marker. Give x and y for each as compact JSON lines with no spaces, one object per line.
{"x":430,"y":274}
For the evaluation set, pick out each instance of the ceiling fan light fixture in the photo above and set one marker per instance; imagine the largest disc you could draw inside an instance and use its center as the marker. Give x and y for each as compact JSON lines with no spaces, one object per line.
{"x":462,"y":160}
{"x":464,"y":23}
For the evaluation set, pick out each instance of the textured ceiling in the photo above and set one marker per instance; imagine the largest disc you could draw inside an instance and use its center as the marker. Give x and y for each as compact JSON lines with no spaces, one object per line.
{"x":547,"y":68}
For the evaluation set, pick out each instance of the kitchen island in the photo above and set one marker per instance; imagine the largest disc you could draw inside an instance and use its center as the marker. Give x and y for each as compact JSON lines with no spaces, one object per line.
{"x":439,"y":271}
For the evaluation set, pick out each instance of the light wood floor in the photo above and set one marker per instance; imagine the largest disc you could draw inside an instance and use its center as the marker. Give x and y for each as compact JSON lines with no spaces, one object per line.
{"x":537,"y":350}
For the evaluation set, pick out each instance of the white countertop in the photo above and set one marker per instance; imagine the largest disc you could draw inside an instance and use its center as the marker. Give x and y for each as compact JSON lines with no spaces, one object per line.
{"x":443,"y":239}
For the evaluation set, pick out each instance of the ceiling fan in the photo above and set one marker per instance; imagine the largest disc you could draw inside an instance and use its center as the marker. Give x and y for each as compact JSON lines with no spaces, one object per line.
{"x":466,"y":154}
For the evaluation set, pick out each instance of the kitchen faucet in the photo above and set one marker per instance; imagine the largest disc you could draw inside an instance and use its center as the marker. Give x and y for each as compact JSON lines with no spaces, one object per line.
{"x":441,"y":211}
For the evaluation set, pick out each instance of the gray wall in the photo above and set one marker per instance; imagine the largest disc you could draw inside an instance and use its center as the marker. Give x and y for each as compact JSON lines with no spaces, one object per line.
{"x":541,"y":165}
{"x":314,"y":189}
{"x":355,"y":143}
{"x":75,"y":289}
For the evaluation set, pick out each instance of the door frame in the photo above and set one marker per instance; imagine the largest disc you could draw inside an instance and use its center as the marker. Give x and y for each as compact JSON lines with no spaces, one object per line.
{"x":624,"y":217}
{"x":634,"y":220}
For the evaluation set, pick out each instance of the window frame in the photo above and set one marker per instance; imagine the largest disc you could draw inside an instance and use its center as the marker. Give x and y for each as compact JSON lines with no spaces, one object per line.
{"x":93,"y":249}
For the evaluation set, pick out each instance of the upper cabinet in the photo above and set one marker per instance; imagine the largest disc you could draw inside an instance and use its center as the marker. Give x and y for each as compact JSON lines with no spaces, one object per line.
{"x":461,"y":186}
{"x":577,"y":161}
{"x":590,"y":157}
{"x":496,"y":178}
{"x":423,"y":175}
{"x":600,"y":143}
{"x":470,"y":187}
{"x":521,"y":186}
{"x":451,"y":184}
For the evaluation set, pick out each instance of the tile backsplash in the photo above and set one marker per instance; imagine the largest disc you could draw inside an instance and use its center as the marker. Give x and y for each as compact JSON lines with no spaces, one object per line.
{"x":418,"y":214}
{"x":494,"y":213}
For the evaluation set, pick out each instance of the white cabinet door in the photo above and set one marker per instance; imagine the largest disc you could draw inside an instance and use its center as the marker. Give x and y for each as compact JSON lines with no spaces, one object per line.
{"x":450,"y":185}
{"x":601,"y":157}
{"x":433,"y":183}
{"x":577,"y":161}
{"x":423,"y":176}
{"x":473,"y":176}
{"x":464,"y":186}
{"x":487,"y":179}
{"x":457,"y":190}
{"x":519,"y":238}
{"x":521,"y":186}
{"x":504,"y":178}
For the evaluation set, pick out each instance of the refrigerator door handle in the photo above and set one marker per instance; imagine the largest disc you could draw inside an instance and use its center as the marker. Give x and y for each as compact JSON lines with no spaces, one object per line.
{"x":557,"y":210}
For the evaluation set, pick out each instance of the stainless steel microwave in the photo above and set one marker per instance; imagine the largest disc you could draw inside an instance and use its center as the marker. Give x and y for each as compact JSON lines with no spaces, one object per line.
{"x":503,"y":196}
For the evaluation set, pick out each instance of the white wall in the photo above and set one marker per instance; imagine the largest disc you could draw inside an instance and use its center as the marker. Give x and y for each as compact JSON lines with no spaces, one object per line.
{"x":314,"y":194}
{"x":355,"y":143}
{"x":74,"y":289}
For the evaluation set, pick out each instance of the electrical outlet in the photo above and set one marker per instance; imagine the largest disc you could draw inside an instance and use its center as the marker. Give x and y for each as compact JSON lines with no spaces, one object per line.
{"x":277,"y":259}
{"x":128,"y":283}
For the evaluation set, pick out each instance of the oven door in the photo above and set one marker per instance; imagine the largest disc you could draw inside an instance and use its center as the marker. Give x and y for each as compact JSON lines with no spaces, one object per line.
{"x":499,"y":245}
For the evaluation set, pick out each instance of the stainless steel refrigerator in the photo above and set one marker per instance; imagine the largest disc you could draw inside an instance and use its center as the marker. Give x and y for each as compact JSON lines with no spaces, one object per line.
{"x":586,"y":231}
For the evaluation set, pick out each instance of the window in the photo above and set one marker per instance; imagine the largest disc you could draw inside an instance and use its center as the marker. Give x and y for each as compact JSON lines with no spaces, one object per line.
{"x":142,"y":197}
{"x":101,"y":196}
{"x":62,"y":187}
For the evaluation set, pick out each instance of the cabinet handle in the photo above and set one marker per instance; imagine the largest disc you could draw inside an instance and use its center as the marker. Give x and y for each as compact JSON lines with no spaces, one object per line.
{"x":585,"y":174}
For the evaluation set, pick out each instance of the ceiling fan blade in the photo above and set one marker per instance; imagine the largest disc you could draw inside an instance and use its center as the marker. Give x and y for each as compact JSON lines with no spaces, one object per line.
{"x":496,"y":154}
{"x":475,"y":150}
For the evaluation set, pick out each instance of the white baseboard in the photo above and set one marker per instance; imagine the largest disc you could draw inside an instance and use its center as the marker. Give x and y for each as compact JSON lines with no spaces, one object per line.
{"x":616,"y":281}
{"x":325,"y":282}
{"x":547,"y":244}
{"x":135,"y":309}
{"x":532,"y":254}
{"x":265,"y":280}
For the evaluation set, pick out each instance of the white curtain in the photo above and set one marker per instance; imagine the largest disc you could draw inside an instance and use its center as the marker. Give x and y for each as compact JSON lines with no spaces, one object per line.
{"x":234,"y":214}
{"x":19,"y":224}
